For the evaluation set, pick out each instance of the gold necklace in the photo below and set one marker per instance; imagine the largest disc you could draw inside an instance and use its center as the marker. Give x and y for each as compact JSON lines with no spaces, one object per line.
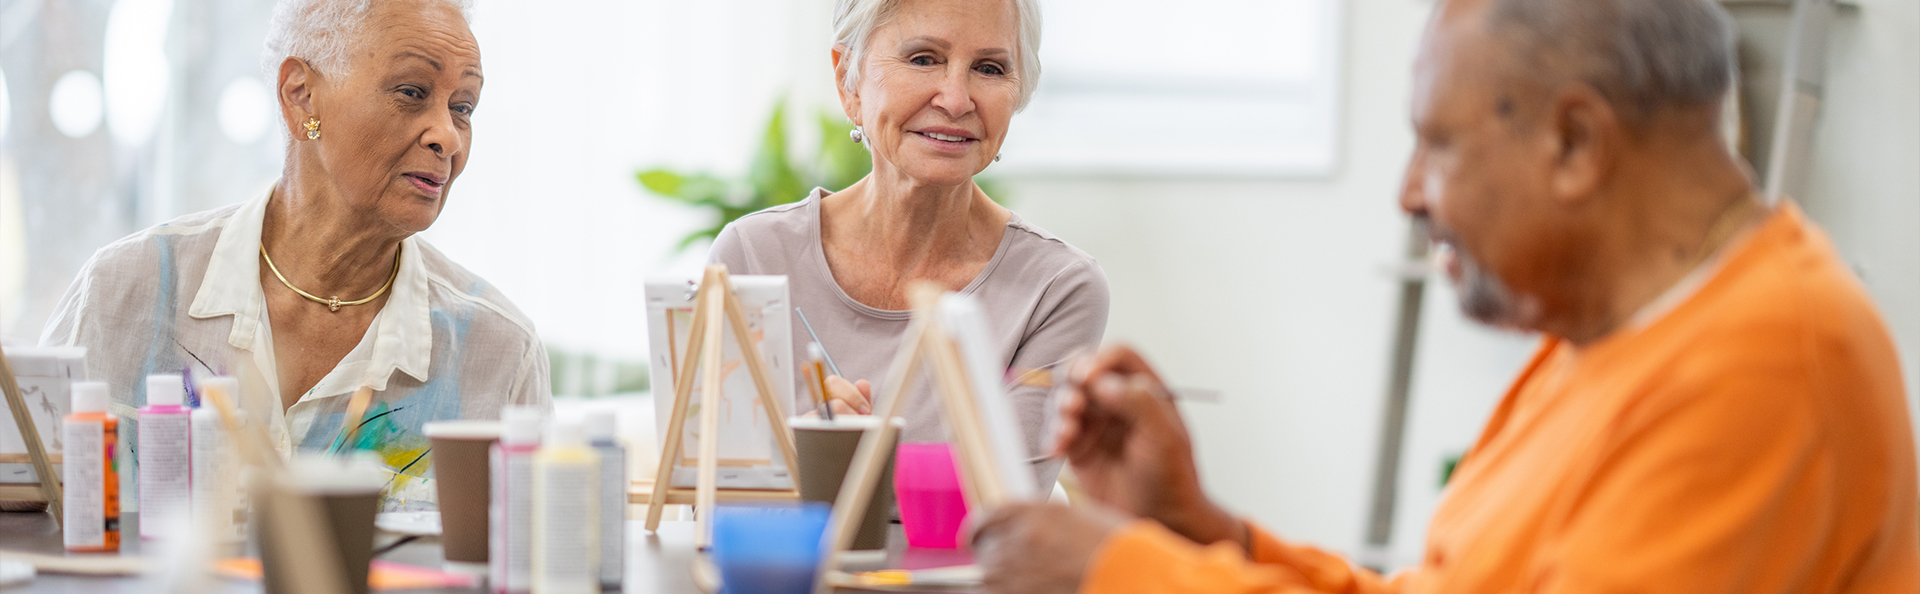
{"x":334,"y":304}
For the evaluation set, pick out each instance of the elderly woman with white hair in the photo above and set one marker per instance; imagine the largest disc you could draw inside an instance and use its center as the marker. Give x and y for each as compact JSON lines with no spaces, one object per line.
{"x":931,"y":86}
{"x":319,"y":286}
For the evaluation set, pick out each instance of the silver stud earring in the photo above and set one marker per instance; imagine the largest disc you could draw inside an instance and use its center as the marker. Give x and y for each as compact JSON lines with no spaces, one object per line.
{"x":996,"y":158}
{"x":857,"y":136}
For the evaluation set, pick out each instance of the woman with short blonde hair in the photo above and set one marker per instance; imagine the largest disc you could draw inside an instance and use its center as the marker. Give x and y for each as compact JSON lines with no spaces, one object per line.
{"x":931,"y":86}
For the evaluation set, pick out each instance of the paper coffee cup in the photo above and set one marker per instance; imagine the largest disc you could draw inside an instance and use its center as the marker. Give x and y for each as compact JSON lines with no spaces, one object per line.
{"x":825,"y":450}
{"x":345,"y":495}
{"x":462,"y":484}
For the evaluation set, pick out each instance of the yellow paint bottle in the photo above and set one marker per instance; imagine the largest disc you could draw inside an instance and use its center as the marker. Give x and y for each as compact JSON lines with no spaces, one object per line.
{"x":566,"y":519}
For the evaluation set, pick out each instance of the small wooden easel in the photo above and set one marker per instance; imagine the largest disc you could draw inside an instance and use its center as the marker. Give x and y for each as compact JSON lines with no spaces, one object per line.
{"x":715,"y":299}
{"x":36,"y":449}
{"x":929,"y":341}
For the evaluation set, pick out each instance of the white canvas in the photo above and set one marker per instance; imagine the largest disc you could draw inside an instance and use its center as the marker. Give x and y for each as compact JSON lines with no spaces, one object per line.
{"x":45,"y":376}
{"x":749,"y":457}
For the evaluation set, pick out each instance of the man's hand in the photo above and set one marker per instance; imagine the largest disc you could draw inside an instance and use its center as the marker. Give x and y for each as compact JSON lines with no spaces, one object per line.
{"x":1035,"y":547}
{"x":1123,"y":434}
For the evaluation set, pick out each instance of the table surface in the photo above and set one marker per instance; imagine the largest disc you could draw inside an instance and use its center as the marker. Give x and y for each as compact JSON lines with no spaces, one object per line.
{"x":657,"y":562}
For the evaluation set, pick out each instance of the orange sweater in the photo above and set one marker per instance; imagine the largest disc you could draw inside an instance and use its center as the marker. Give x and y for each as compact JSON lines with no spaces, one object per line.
{"x":1755,"y":439}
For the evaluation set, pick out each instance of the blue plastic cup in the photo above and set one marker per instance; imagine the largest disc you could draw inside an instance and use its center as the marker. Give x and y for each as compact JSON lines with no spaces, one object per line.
{"x":768,"y":549}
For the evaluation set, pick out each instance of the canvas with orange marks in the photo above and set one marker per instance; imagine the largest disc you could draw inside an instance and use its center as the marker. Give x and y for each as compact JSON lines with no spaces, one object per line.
{"x":747,"y":450}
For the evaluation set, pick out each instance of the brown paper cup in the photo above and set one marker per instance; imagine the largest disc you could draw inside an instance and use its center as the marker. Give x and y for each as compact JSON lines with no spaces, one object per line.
{"x":346,"y":499}
{"x":462,"y":483}
{"x":825,"y":451}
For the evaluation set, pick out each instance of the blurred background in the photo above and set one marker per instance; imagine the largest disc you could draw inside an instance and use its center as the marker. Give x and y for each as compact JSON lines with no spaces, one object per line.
{"x":1233,"y":165}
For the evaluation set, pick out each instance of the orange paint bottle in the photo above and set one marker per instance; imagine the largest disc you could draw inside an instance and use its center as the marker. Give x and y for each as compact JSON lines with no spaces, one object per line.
{"x":90,"y":471}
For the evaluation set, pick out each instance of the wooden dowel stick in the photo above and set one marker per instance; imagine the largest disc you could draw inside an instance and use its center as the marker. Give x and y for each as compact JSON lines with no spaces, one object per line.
{"x":776,"y":415}
{"x":677,"y":420}
{"x":963,"y":422}
{"x":870,"y":457}
{"x":259,"y":453}
{"x":981,"y":484}
{"x":711,"y":378}
{"x":36,"y":449}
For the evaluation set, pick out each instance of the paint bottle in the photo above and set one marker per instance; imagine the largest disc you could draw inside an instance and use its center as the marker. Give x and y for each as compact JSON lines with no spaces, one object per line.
{"x":602,"y":430}
{"x":163,"y":457}
{"x":510,"y":513}
{"x":89,"y":470}
{"x":215,"y":475}
{"x":566,"y":519}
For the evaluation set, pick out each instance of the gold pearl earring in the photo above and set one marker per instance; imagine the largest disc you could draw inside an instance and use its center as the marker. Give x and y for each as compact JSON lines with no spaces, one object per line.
{"x":313,"y":128}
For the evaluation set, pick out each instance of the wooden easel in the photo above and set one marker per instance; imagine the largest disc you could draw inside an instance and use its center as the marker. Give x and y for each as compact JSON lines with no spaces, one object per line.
{"x":926,"y":341}
{"x":715,"y":299}
{"x":36,"y":450}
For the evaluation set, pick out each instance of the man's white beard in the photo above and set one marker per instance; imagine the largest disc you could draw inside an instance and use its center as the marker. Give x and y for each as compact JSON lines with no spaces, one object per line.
{"x":1487,"y":300}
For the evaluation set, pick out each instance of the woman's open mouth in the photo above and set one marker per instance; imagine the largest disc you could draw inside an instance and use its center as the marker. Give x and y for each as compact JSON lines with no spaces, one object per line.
{"x":428,"y":184}
{"x":945,"y":140}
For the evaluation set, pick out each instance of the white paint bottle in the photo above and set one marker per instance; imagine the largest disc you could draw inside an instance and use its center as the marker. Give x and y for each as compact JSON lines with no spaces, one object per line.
{"x":164,"y":457}
{"x":510,"y":513}
{"x":216,"y":468}
{"x":603,"y":431}
{"x":566,"y":519}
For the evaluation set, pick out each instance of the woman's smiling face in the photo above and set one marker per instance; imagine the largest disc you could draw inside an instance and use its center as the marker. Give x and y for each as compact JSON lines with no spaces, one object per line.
{"x":396,"y":127}
{"x":938,"y":88}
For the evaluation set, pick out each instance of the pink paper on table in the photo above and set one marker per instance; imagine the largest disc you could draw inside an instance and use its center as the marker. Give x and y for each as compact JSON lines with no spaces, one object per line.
{"x":381,"y":575}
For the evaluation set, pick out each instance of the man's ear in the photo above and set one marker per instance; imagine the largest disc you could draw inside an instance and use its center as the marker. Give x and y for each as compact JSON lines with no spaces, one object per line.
{"x":849,"y":100}
{"x":295,"y":91}
{"x":1587,"y":136}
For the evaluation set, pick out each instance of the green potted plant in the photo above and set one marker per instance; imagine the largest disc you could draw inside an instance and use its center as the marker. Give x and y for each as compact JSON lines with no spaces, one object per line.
{"x":772,"y":179}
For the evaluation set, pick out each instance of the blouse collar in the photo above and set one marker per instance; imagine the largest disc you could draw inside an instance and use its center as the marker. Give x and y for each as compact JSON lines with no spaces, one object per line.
{"x":402,"y":332}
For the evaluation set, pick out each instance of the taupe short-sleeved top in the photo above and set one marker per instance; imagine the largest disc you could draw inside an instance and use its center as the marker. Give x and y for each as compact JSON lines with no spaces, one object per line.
{"x":1044,"y":300}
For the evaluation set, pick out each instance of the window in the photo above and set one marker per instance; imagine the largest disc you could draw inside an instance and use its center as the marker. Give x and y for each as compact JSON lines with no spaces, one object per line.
{"x":1214,"y":87}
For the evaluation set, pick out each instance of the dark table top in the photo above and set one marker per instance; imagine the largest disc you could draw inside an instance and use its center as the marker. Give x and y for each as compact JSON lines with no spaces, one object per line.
{"x":656,"y":562}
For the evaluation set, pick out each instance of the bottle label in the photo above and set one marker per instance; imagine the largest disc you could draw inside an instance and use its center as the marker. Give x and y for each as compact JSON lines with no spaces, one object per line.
{"x":215,"y":489}
{"x":163,"y":472}
{"x":511,"y":554}
{"x":565,"y":528}
{"x":84,"y":469}
{"x":613,"y":516}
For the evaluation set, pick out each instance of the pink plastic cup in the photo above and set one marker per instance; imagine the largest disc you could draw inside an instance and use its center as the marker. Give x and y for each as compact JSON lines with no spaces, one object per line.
{"x":932,"y":509}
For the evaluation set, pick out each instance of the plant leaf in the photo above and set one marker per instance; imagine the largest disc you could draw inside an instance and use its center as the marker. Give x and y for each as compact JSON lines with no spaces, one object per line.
{"x":662,"y":182}
{"x":842,"y":162}
{"x":771,"y":175}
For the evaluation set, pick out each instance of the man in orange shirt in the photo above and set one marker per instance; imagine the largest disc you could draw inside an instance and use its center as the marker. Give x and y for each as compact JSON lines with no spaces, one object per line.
{"x":1716,"y":406}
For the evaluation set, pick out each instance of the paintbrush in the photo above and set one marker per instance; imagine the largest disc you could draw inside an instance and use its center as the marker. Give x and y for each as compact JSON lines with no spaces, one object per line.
{"x":1053,"y":375}
{"x":816,"y":340}
{"x":819,"y":384}
{"x":350,"y":424}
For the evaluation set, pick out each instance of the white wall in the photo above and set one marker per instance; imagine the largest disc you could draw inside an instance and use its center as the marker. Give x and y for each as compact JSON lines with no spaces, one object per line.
{"x":1272,"y":290}
{"x":581,"y":97}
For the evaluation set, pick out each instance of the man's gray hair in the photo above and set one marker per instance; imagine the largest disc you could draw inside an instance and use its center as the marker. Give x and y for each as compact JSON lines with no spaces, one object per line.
{"x":1645,"y":56}
{"x":323,"y":32}
{"x":854,"y":21}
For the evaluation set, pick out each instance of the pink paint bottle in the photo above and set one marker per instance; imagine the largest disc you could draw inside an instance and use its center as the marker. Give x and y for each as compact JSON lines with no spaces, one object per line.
{"x":510,"y":513}
{"x":163,"y":458}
